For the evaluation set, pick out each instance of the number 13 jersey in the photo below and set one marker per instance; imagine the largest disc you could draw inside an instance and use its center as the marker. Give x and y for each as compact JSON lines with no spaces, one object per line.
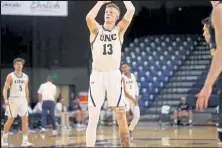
{"x":17,"y":88}
{"x":106,"y":49}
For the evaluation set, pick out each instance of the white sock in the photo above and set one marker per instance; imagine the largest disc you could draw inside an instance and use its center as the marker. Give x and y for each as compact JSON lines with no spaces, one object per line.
{"x":5,"y":135}
{"x":25,"y":137}
{"x":190,"y":121}
{"x":175,"y":121}
{"x":136,"y":117}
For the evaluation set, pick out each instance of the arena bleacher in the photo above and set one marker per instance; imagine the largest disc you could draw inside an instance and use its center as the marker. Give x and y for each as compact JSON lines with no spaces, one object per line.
{"x":169,"y":67}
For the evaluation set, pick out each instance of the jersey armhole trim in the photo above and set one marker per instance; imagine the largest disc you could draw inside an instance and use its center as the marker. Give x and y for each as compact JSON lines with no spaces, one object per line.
{"x":120,"y":39}
{"x":120,"y":96}
{"x":91,"y":44}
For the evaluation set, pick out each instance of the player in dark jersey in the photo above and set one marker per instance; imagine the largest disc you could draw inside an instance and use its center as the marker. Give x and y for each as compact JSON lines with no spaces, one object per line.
{"x":216,"y":65}
{"x":183,"y":109}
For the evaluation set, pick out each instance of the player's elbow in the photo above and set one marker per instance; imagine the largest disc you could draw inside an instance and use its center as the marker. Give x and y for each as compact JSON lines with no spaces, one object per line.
{"x":131,"y":10}
{"x":88,"y":18}
{"x":4,"y":90}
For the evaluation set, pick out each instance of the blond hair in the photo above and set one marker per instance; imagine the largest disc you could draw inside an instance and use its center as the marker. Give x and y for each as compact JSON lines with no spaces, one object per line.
{"x":112,"y":5}
{"x":18,"y":60}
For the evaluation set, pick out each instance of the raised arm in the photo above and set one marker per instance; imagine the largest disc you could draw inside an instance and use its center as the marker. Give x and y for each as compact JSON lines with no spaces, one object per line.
{"x":124,"y":23}
{"x":216,"y":65}
{"x":90,"y":18}
{"x":7,"y":85}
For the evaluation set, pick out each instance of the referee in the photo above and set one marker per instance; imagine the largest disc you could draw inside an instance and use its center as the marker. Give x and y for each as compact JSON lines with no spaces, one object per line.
{"x":47,"y":94}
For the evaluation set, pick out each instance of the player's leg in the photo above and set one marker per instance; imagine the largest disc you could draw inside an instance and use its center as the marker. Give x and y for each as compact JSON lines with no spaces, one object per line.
{"x":7,"y":126}
{"x":175,"y":117}
{"x":83,"y":115}
{"x":63,"y":122}
{"x":102,"y":116}
{"x":67,"y":121}
{"x":123,"y":126}
{"x":113,"y":117}
{"x":127,"y":110}
{"x":116,"y":99}
{"x":78,"y":118}
{"x":190,"y":115}
{"x":23,"y":113}
{"x":25,"y":130}
{"x":96,"y":98}
{"x":44,"y":115}
{"x":220,"y":118}
{"x":136,"y":116}
{"x":52,"y":114}
{"x":11,"y":111}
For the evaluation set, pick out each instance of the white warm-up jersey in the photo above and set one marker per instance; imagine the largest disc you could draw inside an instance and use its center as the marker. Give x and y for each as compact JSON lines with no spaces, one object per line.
{"x":131,"y":85}
{"x":106,"y":50}
{"x":18,"y":85}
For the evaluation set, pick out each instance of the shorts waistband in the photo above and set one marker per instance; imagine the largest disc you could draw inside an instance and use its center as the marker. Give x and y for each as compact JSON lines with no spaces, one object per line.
{"x":12,"y":97}
{"x":95,"y":70}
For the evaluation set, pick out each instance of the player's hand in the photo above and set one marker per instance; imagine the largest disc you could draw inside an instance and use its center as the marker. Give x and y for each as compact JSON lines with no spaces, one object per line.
{"x":104,"y":2}
{"x":6,"y":102}
{"x":203,"y":98}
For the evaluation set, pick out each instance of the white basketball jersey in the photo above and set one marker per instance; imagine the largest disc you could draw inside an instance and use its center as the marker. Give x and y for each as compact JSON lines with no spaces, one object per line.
{"x":130,"y":84}
{"x":106,"y":50}
{"x":17,"y":88}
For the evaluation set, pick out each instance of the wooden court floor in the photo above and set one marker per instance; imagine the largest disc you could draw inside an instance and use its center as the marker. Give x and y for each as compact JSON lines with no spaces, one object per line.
{"x":107,"y":136}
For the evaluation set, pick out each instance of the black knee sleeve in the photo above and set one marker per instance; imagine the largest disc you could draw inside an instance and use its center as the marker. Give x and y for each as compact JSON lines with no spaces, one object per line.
{"x":220,"y":136}
{"x":220,"y":111}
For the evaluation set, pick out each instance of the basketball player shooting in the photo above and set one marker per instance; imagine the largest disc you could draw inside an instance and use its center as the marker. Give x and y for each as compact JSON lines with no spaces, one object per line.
{"x":216,"y":65}
{"x":105,"y":79}
{"x":132,"y":96}
{"x":17,"y":103}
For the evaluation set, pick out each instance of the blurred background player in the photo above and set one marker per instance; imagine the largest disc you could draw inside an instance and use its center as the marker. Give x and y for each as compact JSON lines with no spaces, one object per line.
{"x":62,"y":113}
{"x":17,"y":103}
{"x":78,"y":112}
{"x":106,"y":44}
{"x":37,"y":108}
{"x":132,"y":96}
{"x":107,"y":113}
{"x":183,"y":109}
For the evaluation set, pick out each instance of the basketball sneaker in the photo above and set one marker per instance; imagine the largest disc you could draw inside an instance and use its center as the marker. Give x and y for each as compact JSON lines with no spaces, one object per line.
{"x":4,"y":142}
{"x":42,"y":130}
{"x":54,"y":133}
{"x":131,"y":136}
{"x":26,"y":143}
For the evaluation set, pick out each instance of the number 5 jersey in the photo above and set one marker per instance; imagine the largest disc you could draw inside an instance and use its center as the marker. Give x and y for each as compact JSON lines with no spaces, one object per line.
{"x":17,"y":88}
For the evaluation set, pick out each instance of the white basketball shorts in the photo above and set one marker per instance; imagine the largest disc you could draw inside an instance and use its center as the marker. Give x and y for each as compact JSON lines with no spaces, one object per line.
{"x":129,"y":105}
{"x":106,"y":84}
{"x":17,"y":106}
